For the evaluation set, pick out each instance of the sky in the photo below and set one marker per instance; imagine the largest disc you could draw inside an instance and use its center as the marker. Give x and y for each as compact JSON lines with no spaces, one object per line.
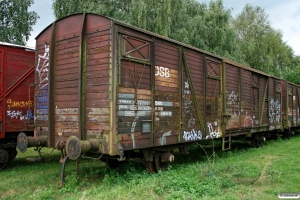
{"x":283,"y":15}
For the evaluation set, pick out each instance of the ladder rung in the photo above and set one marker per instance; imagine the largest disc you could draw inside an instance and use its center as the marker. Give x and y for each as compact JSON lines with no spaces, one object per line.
{"x":226,"y":140}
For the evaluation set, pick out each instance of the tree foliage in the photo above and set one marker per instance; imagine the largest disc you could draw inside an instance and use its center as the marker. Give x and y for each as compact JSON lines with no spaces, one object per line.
{"x":188,"y":21}
{"x":293,"y":73}
{"x":15,"y":21}
{"x":248,"y":39}
{"x":261,"y":44}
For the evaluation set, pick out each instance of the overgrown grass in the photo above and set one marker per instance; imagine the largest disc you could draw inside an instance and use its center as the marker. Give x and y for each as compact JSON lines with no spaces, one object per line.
{"x":242,"y":173}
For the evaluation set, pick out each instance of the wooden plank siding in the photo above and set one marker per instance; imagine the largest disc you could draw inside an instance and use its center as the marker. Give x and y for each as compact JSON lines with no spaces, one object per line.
{"x":131,"y":89}
{"x":16,"y":90}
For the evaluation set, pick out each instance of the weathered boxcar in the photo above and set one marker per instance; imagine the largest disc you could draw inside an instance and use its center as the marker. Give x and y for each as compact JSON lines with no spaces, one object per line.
{"x":124,"y":93}
{"x":290,"y":107}
{"x":16,"y":97}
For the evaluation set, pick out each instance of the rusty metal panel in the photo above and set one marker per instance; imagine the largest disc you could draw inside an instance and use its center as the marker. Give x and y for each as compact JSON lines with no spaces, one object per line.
{"x":134,"y":104}
{"x":232,"y":96}
{"x":290,"y":105}
{"x":134,"y":111}
{"x":133,"y":32}
{"x":136,"y":48}
{"x":296,"y":106}
{"x":213,"y":107}
{"x":284,"y":103}
{"x":275,"y":104}
{"x":247,"y":108}
{"x":167,"y":108}
{"x":66,"y":77}
{"x":263,"y":100}
{"x":293,"y":105}
{"x":255,"y":99}
{"x":19,"y":106}
{"x":166,"y":67}
{"x":41,"y":81}
{"x":278,"y":106}
{"x":97,"y":109}
{"x":271,"y":97}
{"x":17,"y":61}
{"x":250,"y":97}
{"x":80,"y":58}
{"x":132,"y":73}
{"x":192,"y":107}
{"x":17,"y":92}
{"x":2,"y":133}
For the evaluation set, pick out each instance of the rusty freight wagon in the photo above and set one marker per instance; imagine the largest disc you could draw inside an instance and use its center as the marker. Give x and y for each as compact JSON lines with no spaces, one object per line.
{"x":16,"y":97}
{"x":290,"y":107}
{"x":104,"y":87}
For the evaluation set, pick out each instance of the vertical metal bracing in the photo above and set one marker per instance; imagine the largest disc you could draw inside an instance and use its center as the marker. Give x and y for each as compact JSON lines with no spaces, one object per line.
{"x":119,"y":50}
{"x":1,"y":71}
{"x":204,"y":89}
{"x":3,"y":88}
{"x":82,"y":78}
{"x":51,"y":109}
{"x":281,"y":107}
{"x":113,"y":82}
{"x":269,"y":94}
{"x":298,"y":105}
{"x":223,"y":92}
{"x":290,"y":95}
{"x":224,"y":114}
{"x":292,"y":120}
{"x":152,"y":61}
{"x":180,"y":92}
{"x":240,"y":96}
{"x":259,"y":99}
{"x":287,"y":124}
{"x":202,"y":128}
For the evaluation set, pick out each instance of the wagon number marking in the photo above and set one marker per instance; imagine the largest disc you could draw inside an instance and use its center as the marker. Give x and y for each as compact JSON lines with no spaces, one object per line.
{"x":162,"y":71}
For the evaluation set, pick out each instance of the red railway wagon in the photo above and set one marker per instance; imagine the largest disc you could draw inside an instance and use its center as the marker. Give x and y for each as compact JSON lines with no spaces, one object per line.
{"x":105,"y":87}
{"x":16,"y":97}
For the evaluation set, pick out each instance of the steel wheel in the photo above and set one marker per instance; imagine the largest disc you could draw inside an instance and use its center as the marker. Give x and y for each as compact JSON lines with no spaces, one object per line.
{"x":4,"y":158}
{"x":158,"y":164}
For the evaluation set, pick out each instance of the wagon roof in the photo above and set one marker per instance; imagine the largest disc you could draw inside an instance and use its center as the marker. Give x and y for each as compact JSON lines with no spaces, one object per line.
{"x":15,"y":45}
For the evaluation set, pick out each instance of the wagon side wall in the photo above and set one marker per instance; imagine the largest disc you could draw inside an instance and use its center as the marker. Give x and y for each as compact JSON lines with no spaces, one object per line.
{"x":17,"y":94}
{"x":74,"y":80}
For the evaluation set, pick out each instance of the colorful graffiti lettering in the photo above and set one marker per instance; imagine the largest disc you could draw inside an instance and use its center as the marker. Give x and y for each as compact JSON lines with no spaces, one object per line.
{"x":274,"y":111}
{"x":18,"y":114}
{"x":42,"y":67}
{"x":14,"y":104}
{"x":192,"y":135}
{"x":42,"y":99}
{"x":213,"y":130}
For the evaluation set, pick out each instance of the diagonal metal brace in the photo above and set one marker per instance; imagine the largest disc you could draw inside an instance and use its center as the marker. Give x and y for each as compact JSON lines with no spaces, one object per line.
{"x":202,"y":127}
